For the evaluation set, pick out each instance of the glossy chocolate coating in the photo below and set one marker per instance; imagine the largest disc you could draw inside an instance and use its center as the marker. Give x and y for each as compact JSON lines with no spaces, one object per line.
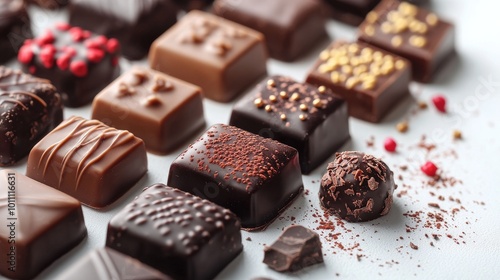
{"x":370,"y":79}
{"x":315,"y":120}
{"x":30,"y":108}
{"x":422,"y":38}
{"x":357,"y":187}
{"x":78,"y":63}
{"x":291,"y":27}
{"x":88,"y":160}
{"x":161,"y":110}
{"x":47,"y":224}
{"x":14,"y":28}
{"x":177,"y":233}
{"x":135,"y":23}
{"x":106,"y":263}
{"x":351,"y":12}
{"x":50,"y":4}
{"x":221,"y":57}
{"x":296,"y":248}
{"x":254,"y":177}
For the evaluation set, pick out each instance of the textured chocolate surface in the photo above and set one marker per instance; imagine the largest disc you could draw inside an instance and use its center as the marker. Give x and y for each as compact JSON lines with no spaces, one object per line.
{"x":177,"y":233}
{"x":254,"y":177}
{"x":40,"y":225}
{"x":135,"y":23}
{"x":296,"y":248}
{"x":370,"y":79}
{"x":29,"y":109}
{"x":106,"y":264}
{"x":161,"y":110}
{"x":308,"y":118}
{"x":221,"y":57}
{"x":78,"y":62}
{"x":411,"y":32}
{"x":291,"y":27}
{"x":14,"y":28}
{"x":88,"y":160}
{"x":357,"y":187}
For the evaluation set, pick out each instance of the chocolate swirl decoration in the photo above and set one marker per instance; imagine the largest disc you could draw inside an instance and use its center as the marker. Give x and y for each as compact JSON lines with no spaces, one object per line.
{"x":14,"y":85}
{"x":91,"y":136}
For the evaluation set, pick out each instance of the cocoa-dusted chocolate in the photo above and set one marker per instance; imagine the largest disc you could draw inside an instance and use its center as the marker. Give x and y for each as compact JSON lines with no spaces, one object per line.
{"x":77,"y":62}
{"x":370,"y":79}
{"x":160,"y":109}
{"x":254,"y":177}
{"x":105,"y":263}
{"x":221,"y":57}
{"x":88,"y":160}
{"x":14,"y":28}
{"x":135,"y":23}
{"x":177,"y":233}
{"x":357,"y":187}
{"x":39,"y":225}
{"x":296,"y":248}
{"x":309,"y":118}
{"x":411,"y":32}
{"x":29,"y":109}
{"x":291,"y":27}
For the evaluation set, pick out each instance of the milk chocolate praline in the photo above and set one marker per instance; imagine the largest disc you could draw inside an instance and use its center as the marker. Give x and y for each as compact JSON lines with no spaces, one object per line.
{"x":357,"y":187}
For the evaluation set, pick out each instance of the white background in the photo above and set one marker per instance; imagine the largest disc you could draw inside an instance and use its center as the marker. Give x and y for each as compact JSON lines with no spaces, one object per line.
{"x":472,"y":85}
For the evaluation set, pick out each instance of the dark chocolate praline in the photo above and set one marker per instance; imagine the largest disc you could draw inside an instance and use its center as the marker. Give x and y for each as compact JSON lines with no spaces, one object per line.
{"x":357,"y":187}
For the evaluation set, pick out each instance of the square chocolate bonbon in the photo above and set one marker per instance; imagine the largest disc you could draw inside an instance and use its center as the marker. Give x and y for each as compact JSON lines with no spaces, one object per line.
{"x":14,"y":28}
{"x":221,"y":57}
{"x":135,"y":23}
{"x":370,"y":79}
{"x":411,"y":32}
{"x":291,"y":27}
{"x":161,"y":110}
{"x":29,"y":109}
{"x":177,"y":233}
{"x":309,"y":118}
{"x":77,"y":62}
{"x":88,"y":160}
{"x":40,"y":225}
{"x":254,"y":177}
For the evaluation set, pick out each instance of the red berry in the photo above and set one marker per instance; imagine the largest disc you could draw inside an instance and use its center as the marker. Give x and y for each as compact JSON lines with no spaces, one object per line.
{"x":95,"y":55}
{"x":46,"y":38}
{"x":102,"y":40}
{"x":112,"y":45}
{"x":440,"y":103}
{"x":86,"y":34}
{"x":69,"y":51}
{"x":78,"y":68}
{"x":25,"y":54}
{"x":390,"y":144}
{"x":63,"y":26}
{"x":47,"y":56}
{"x":429,"y":168}
{"x":63,"y":61}
{"x":76,"y":34}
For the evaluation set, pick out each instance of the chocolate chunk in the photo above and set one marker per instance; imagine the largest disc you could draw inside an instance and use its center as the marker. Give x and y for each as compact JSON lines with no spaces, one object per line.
{"x":220,"y":56}
{"x":29,"y":109}
{"x":296,"y":248}
{"x":14,"y":28}
{"x":105,"y":263}
{"x":39,"y":225}
{"x":411,"y":32}
{"x":50,"y":4}
{"x":254,"y":177}
{"x":161,"y":110}
{"x":291,"y":27}
{"x":177,"y":233}
{"x":135,"y":23}
{"x":371,"y":80}
{"x":88,"y":160}
{"x":357,"y":187}
{"x":78,"y":62}
{"x":312,"y":120}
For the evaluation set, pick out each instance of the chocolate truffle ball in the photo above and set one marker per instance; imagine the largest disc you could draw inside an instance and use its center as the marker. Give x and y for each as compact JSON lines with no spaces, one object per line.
{"x":357,"y":187}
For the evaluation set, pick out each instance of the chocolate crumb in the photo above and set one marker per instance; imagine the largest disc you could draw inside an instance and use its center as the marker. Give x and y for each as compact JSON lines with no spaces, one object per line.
{"x":413,"y":246}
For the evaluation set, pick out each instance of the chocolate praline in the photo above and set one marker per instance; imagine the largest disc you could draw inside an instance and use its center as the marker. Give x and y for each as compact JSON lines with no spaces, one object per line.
{"x":357,"y":187}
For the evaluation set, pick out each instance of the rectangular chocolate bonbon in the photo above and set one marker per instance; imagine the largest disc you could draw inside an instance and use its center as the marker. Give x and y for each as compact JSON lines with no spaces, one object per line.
{"x":160,"y":109}
{"x":411,"y":32}
{"x":254,"y":177}
{"x":39,"y":225}
{"x":14,"y":28}
{"x":88,"y":160}
{"x":29,"y":109}
{"x":309,"y":118}
{"x":177,"y":233}
{"x":370,"y":79}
